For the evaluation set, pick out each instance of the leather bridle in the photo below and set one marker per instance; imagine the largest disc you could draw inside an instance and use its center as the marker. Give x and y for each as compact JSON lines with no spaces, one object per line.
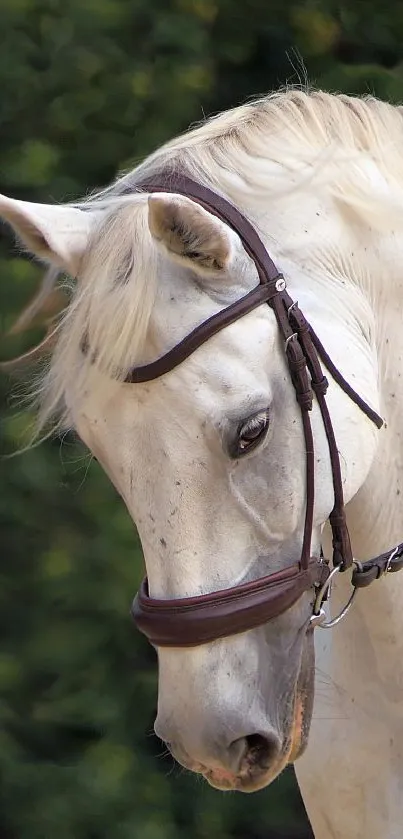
{"x":192,"y":621}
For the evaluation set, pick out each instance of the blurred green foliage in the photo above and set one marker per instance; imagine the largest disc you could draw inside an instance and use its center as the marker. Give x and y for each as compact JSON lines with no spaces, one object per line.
{"x":88,"y":87}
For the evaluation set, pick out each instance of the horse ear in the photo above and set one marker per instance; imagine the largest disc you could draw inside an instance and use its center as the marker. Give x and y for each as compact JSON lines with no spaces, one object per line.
{"x":190,"y":233}
{"x":56,"y":234}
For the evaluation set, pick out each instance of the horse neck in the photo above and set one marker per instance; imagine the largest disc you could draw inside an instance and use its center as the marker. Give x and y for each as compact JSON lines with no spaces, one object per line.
{"x":357,"y":725}
{"x":375,"y":514}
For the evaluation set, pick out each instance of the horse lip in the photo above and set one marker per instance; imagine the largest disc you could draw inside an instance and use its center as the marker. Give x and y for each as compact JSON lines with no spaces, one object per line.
{"x":248,"y":780}
{"x":223,"y":784}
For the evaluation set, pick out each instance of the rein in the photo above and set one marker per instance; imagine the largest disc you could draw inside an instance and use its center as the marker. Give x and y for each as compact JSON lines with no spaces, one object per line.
{"x":192,"y":621}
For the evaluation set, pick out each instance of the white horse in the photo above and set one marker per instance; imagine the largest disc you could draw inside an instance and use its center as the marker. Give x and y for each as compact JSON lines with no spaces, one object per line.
{"x":210,"y":459}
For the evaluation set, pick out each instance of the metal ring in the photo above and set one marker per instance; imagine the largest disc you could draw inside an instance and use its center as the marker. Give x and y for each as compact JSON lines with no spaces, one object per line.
{"x":291,"y":338}
{"x":319,"y":615}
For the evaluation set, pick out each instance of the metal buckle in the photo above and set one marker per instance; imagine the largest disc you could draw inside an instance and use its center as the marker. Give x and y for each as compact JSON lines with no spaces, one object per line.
{"x":292,"y":337}
{"x":324,"y":593}
{"x":390,"y":559}
{"x":294,"y":305}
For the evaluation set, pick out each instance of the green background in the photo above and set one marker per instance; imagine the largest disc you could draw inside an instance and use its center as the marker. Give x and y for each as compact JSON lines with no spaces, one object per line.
{"x":87,"y":88}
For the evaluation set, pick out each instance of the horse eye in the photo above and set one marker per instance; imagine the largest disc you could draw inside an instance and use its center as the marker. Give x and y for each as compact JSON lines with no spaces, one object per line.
{"x":251,"y":432}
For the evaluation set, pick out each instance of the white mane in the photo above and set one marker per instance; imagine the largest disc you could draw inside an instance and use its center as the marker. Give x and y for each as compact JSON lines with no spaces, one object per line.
{"x":287,"y":141}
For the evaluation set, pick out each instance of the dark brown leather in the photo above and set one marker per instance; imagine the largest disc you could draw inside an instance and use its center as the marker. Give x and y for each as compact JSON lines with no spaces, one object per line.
{"x":387,"y":563}
{"x":342,"y":553}
{"x":221,"y":208}
{"x":191,"y":621}
{"x":182,"y":350}
{"x":197,"y":620}
{"x":336,"y":375}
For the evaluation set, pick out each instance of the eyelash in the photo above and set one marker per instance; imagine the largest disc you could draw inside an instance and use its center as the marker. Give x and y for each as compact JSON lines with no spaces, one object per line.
{"x":256,"y":427}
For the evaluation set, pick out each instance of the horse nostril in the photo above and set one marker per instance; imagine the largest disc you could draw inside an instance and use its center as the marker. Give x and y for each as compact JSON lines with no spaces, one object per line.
{"x":262,"y":750}
{"x":253,"y":752}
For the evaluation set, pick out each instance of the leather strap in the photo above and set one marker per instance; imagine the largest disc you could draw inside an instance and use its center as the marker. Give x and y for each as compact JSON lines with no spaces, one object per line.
{"x":367,"y":572}
{"x":337,"y":376}
{"x":342,"y":553}
{"x":173,"y":183}
{"x":199,"y":335}
{"x":191,"y":621}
